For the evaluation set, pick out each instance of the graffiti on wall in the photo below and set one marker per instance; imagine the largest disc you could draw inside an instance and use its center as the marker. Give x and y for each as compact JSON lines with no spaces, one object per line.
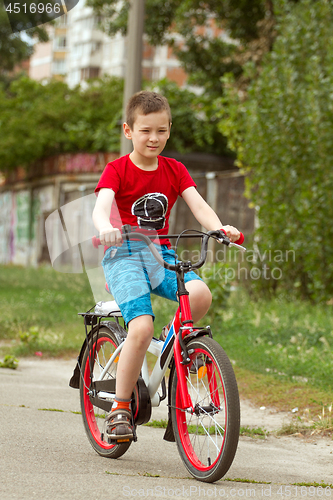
{"x":20,"y":224}
{"x":6,"y":234}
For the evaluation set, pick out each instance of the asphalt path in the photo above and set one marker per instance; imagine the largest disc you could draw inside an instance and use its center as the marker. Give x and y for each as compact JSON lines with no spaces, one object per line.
{"x":45,"y":454}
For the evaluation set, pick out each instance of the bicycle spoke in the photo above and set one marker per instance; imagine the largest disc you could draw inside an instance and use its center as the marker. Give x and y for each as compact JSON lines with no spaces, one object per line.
{"x":215,"y":422}
{"x":93,"y":416}
{"x":208,"y":435}
{"x":202,"y":435}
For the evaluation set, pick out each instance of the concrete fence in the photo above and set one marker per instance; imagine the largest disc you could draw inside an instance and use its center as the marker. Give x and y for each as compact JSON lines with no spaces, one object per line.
{"x":26,"y":204}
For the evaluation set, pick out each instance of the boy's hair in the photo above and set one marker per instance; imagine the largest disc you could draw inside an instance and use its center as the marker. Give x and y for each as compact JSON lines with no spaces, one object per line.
{"x":145,"y":102}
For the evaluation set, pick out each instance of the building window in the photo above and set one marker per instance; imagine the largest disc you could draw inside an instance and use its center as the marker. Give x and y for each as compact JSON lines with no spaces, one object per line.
{"x":95,"y":47}
{"x":88,"y":73}
{"x":87,"y":23}
{"x":97,"y":21}
{"x":59,"y":67}
{"x":60,"y":42}
{"x":77,"y":50}
{"x":74,"y":78}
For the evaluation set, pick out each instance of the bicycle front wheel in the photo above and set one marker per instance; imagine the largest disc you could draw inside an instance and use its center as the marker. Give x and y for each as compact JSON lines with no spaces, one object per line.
{"x":95,"y":358}
{"x":207,"y":437}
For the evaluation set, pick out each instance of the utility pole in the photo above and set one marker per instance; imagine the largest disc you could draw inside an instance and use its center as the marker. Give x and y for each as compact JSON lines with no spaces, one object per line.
{"x":212,"y":200}
{"x":133,"y":73}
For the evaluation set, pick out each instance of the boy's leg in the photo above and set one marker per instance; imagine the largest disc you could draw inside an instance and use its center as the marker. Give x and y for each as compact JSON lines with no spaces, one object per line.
{"x":140,"y":333}
{"x":200,"y":298}
{"x":200,"y":301}
{"x":127,"y":279}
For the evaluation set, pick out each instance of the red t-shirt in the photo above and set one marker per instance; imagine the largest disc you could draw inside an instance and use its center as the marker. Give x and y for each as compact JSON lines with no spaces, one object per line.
{"x":144,"y":198}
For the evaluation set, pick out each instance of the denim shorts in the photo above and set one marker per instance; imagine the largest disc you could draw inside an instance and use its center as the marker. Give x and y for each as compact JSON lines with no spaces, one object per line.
{"x":132,"y":274}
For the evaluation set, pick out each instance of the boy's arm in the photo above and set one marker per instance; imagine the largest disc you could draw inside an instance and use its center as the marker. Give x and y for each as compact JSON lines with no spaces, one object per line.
{"x":205,"y":215}
{"x":108,"y":235}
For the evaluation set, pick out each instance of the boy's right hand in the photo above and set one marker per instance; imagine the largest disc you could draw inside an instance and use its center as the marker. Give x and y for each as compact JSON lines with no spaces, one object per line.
{"x":110,"y":236}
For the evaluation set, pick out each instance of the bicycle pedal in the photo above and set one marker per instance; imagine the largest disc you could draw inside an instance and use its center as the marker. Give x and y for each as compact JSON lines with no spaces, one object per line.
{"x":120,"y":440}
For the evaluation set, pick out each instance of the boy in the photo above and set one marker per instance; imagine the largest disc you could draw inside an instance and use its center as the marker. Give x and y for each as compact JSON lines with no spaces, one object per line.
{"x":145,"y":186}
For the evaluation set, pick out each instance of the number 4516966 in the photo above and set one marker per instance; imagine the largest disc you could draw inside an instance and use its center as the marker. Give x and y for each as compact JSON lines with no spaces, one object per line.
{"x":17,"y":8}
{"x":303,"y":491}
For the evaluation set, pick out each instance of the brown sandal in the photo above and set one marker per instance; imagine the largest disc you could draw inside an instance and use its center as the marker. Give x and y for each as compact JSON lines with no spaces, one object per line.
{"x":119,"y":426}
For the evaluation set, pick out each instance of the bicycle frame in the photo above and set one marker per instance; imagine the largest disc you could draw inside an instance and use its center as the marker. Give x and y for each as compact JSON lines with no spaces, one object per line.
{"x":164,"y":352}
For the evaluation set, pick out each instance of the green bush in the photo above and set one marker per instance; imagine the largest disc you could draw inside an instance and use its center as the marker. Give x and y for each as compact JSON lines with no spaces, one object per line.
{"x":282,"y":132}
{"x":42,"y":120}
{"x":194,"y":126}
{"x":216,"y":278}
{"x":39,"y":120}
{"x":10,"y":362}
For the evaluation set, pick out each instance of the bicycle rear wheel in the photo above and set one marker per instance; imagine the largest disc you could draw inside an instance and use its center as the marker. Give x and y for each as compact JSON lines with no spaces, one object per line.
{"x":103,"y":346}
{"x":207,"y":438}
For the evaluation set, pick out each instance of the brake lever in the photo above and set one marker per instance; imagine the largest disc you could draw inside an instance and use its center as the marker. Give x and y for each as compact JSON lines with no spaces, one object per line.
{"x":240,"y":247}
{"x":229,"y":243}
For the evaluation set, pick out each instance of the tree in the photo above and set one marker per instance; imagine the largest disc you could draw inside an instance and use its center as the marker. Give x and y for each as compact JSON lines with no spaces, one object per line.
{"x":194,"y":127}
{"x":43,"y":120}
{"x":38,"y":120}
{"x":282,"y":133}
{"x":13,"y":49}
{"x":249,"y":25}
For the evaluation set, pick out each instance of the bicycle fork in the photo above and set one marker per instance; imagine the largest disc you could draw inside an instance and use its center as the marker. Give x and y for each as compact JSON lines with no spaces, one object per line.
{"x":182,"y":360}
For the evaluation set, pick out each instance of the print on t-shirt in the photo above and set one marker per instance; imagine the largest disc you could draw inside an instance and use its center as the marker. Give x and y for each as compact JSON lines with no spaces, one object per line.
{"x":150,"y":210}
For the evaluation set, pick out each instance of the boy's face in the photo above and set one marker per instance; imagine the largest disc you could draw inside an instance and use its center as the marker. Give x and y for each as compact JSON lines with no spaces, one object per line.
{"x":149,"y":135}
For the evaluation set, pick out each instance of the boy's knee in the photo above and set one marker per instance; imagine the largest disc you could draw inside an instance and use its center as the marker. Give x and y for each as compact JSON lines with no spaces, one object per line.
{"x":209,"y":296}
{"x":200,"y":291}
{"x":142,"y":329}
{"x":200,"y":299}
{"x":206,"y":297}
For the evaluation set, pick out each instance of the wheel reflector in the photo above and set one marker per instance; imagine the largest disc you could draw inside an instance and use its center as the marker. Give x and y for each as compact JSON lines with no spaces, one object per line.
{"x":202,"y":371}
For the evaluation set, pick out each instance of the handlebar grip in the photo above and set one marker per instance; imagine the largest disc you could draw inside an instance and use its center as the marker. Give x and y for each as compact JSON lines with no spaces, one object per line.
{"x":240,"y":239}
{"x":96,"y":241}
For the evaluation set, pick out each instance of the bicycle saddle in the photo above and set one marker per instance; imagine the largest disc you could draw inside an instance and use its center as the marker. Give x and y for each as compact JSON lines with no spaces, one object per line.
{"x":105,"y":308}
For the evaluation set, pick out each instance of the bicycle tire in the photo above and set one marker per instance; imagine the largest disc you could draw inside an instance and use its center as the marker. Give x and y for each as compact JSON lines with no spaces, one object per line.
{"x":103,"y":345}
{"x":207,"y":439}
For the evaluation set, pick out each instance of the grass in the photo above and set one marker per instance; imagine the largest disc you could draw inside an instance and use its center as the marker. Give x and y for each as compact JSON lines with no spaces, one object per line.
{"x":315,"y":485}
{"x":282,"y":395}
{"x":253,"y":432}
{"x":290,"y":340}
{"x":50,"y":409}
{"x":193,"y":429}
{"x":159,"y":424}
{"x":322,"y":426}
{"x":244,"y":480}
{"x":281,"y":349}
{"x":39,"y":310}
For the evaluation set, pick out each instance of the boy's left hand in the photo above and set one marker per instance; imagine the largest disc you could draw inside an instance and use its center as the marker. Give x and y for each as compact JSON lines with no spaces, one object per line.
{"x":232,"y":233}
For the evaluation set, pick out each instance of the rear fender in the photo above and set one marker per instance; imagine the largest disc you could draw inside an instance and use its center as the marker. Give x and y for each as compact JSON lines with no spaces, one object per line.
{"x":120,"y":334}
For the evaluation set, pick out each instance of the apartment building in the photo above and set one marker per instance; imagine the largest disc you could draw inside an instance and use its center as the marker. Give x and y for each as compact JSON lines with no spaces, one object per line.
{"x":50,"y":58}
{"x":78,"y":51}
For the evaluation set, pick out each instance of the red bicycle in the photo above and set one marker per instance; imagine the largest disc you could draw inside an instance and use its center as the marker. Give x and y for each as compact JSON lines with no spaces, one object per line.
{"x":203,"y":400}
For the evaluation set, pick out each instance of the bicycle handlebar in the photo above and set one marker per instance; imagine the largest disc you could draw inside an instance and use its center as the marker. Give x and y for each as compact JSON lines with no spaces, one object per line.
{"x":219,"y":235}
